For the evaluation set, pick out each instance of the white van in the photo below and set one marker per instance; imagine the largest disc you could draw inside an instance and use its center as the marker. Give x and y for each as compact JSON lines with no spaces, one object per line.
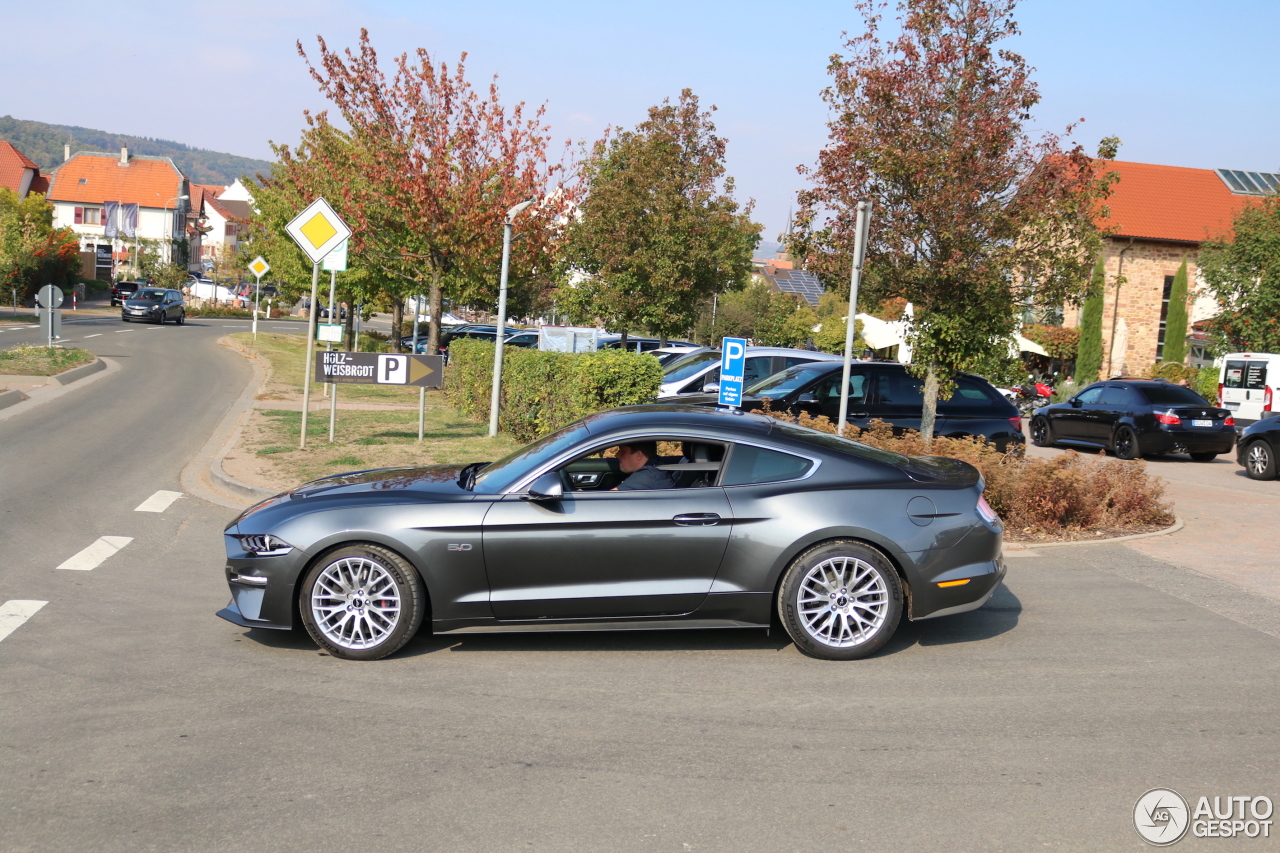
{"x":1246,"y":384}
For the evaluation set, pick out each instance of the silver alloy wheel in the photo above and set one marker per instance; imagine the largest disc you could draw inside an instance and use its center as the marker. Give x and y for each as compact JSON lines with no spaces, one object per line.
{"x":1259,"y":459}
{"x":843,"y":602}
{"x":355,"y":603}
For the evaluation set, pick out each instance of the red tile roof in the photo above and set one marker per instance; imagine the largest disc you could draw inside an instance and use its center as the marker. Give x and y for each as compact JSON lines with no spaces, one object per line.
{"x":1170,"y":203}
{"x":13,"y":163}
{"x":98,"y":178}
{"x":39,"y":184}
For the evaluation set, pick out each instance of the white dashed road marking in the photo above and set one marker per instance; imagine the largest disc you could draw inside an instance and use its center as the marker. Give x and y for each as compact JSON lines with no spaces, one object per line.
{"x":86,"y":337}
{"x":121,"y":331}
{"x":158,"y":502}
{"x":14,"y":613}
{"x":93,"y":556}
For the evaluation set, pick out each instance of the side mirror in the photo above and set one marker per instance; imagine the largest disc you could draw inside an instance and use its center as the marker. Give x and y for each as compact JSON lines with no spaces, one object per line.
{"x":806,"y":397}
{"x":1075,"y":402}
{"x":711,"y":388}
{"x":548,"y":487}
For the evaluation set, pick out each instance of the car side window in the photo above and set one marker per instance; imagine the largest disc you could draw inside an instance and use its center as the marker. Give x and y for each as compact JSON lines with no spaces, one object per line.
{"x":969,"y":396}
{"x":1091,"y":395}
{"x":829,"y":388}
{"x":757,"y":368}
{"x":901,"y":389}
{"x":1115,"y":396}
{"x":749,"y":464}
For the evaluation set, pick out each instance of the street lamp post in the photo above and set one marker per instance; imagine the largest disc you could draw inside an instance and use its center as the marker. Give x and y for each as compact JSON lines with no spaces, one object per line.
{"x":502,"y":315}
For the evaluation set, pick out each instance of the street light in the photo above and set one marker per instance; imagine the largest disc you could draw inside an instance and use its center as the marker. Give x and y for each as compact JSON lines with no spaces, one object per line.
{"x":502,"y":315}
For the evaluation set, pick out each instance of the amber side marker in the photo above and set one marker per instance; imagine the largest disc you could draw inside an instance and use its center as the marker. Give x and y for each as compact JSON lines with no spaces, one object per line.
{"x":954,"y":583}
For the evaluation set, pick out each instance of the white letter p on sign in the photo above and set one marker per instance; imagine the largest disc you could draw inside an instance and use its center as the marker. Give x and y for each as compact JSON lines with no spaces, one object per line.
{"x":393,"y":369}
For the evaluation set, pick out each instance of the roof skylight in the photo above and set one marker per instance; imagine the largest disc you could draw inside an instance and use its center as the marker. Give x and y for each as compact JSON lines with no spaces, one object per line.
{"x":1249,"y":183}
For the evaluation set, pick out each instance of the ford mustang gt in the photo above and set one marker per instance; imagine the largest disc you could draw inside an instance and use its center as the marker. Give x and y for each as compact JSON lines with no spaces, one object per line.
{"x":743,"y":520}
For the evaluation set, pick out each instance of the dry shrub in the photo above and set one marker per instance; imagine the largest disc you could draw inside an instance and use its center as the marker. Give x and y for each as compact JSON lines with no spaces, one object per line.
{"x":1066,"y":495}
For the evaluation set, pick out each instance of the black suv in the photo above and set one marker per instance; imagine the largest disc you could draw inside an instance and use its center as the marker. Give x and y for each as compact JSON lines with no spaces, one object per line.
{"x":154,"y":305}
{"x":122,"y":290}
{"x":882,"y":391}
{"x":1136,"y":417}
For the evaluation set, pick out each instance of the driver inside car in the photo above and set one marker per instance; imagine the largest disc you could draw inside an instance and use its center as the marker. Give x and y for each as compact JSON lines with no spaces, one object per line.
{"x":640,"y":460}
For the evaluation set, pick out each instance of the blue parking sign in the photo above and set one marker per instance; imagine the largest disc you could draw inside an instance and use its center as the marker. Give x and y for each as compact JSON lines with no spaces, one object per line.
{"x":733,"y":361}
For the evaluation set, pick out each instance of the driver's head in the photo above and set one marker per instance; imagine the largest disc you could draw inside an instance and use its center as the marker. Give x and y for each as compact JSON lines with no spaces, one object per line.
{"x":632,"y":457}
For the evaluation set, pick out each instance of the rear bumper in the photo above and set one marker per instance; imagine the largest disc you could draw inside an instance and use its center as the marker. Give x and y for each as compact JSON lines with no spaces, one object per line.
{"x":1189,"y":441}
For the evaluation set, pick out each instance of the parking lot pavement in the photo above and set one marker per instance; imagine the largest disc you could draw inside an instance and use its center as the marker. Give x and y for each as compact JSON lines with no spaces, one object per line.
{"x":1230,"y":521}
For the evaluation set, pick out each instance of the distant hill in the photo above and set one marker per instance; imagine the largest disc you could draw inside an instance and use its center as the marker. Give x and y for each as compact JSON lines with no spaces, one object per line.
{"x":43,"y":143}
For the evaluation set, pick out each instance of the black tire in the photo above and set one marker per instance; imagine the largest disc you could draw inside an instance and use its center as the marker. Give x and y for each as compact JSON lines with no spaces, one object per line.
{"x":1259,"y":460}
{"x":1040,"y":432}
{"x":861,"y":584}
{"x":160,"y":319}
{"x":1203,"y":457}
{"x":344,"y":638}
{"x":182,"y":318}
{"x":1125,"y":444}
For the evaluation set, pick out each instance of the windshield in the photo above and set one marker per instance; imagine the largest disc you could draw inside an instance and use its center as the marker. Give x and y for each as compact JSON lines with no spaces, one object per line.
{"x":781,"y":384}
{"x":150,"y":295}
{"x":690,"y":366}
{"x":503,"y":473}
{"x":830,"y":441}
{"x":1172,"y":395}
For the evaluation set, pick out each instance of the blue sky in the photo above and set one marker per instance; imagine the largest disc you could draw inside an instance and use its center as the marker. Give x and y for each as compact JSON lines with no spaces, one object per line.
{"x":1181,"y":83}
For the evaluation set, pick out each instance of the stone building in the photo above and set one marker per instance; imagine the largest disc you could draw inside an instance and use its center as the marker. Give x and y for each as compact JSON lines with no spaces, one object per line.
{"x":1160,"y":215}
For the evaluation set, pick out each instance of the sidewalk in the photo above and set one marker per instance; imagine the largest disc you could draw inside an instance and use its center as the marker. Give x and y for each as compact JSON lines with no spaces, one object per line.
{"x":1230,"y":521}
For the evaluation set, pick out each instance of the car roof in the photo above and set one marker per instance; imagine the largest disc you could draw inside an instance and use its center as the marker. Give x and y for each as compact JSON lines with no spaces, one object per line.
{"x":677,"y":416}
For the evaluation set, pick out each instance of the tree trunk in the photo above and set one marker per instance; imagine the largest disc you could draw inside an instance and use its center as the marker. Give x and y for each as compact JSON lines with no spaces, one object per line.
{"x":397,"y":321}
{"x":930,"y":413}
{"x":435,"y":303}
{"x":349,"y":335}
{"x":623,"y":343}
{"x":662,"y":339}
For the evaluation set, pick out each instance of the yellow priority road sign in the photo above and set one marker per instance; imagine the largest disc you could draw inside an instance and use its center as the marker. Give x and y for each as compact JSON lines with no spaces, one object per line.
{"x":259,"y":266}
{"x":318,"y":230}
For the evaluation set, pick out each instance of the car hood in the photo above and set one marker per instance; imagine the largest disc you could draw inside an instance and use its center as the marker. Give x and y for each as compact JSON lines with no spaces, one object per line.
{"x":141,"y":303}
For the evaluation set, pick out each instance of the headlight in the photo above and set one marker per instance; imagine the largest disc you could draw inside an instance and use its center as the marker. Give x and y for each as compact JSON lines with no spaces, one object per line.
{"x":265,"y":545}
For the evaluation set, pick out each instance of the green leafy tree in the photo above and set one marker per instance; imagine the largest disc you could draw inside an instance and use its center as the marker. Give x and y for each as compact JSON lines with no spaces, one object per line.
{"x":970,"y":215}
{"x":1242,"y":271}
{"x":32,"y":252}
{"x":659,"y":231}
{"x":1089,"y":349}
{"x":1175,"y":325}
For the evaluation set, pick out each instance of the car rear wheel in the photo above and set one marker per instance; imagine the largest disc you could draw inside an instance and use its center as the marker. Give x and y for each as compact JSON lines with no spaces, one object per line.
{"x":182,"y":318}
{"x":840,"y":601}
{"x":1126,"y":444}
{"x":1259,"y":461}
{"x":362,"y":602}
{"x":1040,"y":432}
{"x":1204,"y":457}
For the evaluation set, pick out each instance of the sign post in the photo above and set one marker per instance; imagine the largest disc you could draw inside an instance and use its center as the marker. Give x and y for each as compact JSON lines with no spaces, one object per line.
{"x":335,"y":262}
{"x":733,"y":363}
{"x":259,"y":267}
{"x":862,"y":226}
{"x":317,"y":230}
{"x":50,"y":299}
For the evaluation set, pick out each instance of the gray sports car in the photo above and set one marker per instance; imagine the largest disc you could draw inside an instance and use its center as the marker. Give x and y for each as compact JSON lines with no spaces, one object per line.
{"x":743,"y":519}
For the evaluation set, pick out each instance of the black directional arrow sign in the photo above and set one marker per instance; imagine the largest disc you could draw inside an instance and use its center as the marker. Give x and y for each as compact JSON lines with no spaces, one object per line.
{"x":374,"y":368}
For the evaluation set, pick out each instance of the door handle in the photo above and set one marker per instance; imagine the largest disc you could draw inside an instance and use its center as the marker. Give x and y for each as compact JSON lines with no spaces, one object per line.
{"x":697,"y":519}
{"x":858,"y":414}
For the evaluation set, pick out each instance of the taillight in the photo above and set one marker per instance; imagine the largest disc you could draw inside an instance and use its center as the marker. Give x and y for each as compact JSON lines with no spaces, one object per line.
{"x":988,"y":514}
{"x":1266,"y":399}
{"x":1219,"y":393}
{"x":1166,"y":418}
{"x":1016,"y":423}
{"x":1230,"y":421}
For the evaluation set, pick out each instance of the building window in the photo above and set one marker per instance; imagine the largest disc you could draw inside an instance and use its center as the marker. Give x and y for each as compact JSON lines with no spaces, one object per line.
{"x":1164,"y":315}
{"x":88,"y":216}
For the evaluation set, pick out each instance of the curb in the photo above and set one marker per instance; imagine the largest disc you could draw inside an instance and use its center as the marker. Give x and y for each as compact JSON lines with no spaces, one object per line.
{"x":66,"y":377}
{"x":1036,"y":546}
{"x":84,"y":377}
{"x":9,"y":398}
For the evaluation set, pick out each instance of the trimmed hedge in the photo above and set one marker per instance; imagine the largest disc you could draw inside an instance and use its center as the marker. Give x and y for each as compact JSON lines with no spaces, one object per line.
{"x":543,"y":391}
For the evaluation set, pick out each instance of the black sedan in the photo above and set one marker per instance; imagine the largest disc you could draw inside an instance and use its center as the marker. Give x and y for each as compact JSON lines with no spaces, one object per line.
{"x":1137,"y":417}
{"x":882,"y":391}
{"x":154,"y":305}
{"x":1257,"y":446}
{"x":756,"y":518}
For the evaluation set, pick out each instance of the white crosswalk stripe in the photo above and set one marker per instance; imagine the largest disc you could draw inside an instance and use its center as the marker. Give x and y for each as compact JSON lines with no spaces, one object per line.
{"x":93,"y":556}
{"x":14,"y":613}
{"x":158,"y":502}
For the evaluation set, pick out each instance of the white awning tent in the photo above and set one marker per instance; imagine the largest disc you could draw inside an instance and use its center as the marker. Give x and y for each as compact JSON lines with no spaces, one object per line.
{"x":1025,"y":345}
{"x":885,"y":334}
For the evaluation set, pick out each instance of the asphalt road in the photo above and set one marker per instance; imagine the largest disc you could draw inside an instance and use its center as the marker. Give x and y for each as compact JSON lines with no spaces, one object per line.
{"x":136,"y":720}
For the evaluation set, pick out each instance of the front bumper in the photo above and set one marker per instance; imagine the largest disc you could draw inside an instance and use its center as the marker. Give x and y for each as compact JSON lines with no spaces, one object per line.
{"x":265,"y":597}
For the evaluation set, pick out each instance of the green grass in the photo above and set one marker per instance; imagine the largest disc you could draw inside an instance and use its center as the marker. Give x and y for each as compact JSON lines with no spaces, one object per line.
{"x":41,"y":361}
{"x":18,"y":318}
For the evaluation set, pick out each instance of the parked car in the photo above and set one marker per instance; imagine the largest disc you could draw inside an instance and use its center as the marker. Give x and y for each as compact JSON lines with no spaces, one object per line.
{"x":524,"y":340}
{"x":1243,"y":385}
{"x":766,"y":519}
{"x":1257,"y":446}
{"x":122,"y":290}
{"x":1137,"y":417}
{"x":155,"y":305}
{"x":883,"y":391}
{"x":669,"y":354}
{"x":637,"y":344}
{"x":699,"y":371}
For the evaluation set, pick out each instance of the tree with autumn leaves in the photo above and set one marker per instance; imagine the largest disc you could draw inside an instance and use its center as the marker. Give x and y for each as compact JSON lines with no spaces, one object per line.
{"x":32,"y":252}
{"x":971,"y":217}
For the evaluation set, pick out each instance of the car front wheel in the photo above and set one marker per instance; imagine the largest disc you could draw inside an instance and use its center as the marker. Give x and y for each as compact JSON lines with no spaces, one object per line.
{"x":362,"y":602}
{"x":1259,"y":461}
{"x":1040,"y":432}
{"x":840,"y":601}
